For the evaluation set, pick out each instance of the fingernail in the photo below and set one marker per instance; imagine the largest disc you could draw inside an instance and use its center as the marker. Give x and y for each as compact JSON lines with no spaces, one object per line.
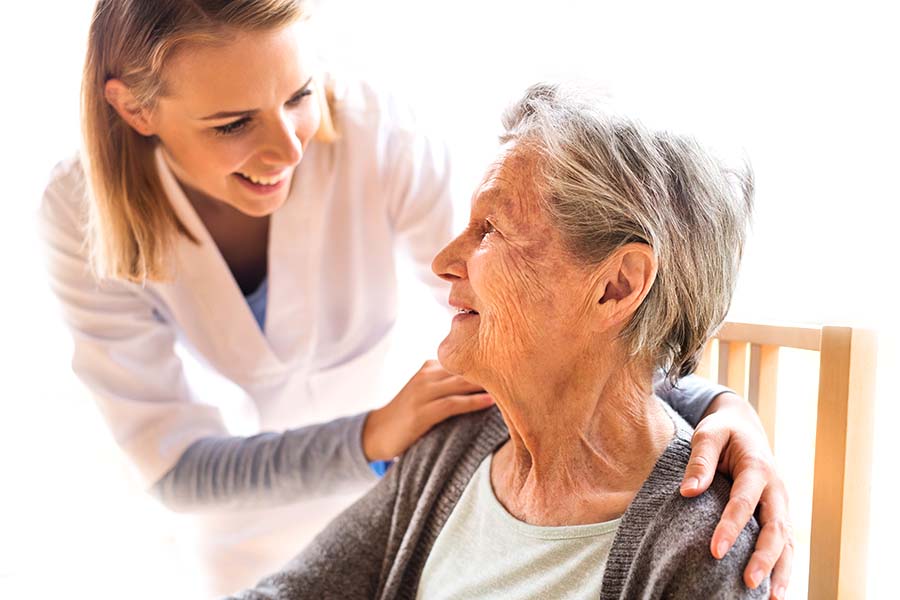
{"x":755,"y":577}
{"x":779,"y":592}
{"x":690,"y":485}
{"x":722,"y":550}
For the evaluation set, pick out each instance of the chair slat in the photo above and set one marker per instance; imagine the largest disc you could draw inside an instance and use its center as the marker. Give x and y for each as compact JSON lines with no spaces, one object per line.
{"x":840,"y":514}
{"x":763,"y":386}
{"x":733,"y":366}
{"x":795,"y":336}
{"x":704,"y":368}
{"x":843,"y":445}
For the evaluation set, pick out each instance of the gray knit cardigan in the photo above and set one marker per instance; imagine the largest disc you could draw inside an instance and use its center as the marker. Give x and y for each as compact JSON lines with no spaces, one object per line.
{"x":378,"y":547}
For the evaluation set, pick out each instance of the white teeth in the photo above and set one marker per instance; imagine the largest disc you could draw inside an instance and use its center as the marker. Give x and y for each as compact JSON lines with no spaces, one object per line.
{"x":266,"y":180}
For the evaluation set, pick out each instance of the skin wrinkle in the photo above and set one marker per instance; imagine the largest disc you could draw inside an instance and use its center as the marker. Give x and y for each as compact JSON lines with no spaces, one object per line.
{"x":551,"y":357}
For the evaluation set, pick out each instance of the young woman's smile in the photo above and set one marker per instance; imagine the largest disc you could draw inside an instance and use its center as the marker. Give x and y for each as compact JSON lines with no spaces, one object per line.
{"x":236,"y":118}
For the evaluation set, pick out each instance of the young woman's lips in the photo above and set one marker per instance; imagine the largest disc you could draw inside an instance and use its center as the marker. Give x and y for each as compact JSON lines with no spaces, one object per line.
{"x":260,"y":188}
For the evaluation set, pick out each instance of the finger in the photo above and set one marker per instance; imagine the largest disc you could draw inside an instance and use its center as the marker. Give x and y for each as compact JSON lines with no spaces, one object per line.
{"x":782,"y":572}
{"x":433,"y":370}
{"x":450,"y":406}
{"x":706,"y":447}
{"x":452,"y":386}
{"x":774,"y":518}
{"x":769,"y":547}
{"x":745,"y":493}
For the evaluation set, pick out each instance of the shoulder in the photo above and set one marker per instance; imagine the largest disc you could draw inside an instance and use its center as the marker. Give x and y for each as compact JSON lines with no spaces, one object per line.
{"x":670,"y":534}
{"x":459,"y":434}
{"x":686,"y":526}
{"x":454,"y":447}
{"x":66,"y":180}
{"x":364,"y":108}
{"x":375,"y":123}
{"x":64,"y":203}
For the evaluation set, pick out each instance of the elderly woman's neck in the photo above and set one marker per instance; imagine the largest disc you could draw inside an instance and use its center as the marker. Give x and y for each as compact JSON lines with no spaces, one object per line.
{"x":580,"y":447}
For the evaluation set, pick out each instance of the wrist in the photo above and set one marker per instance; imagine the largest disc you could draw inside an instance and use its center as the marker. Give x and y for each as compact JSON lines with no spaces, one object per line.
{"x":730,"y":403}
{"x":726,"y":401}
{"x":371,"y":440}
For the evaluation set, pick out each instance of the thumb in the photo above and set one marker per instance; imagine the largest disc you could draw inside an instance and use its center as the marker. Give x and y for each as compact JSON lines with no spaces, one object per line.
{"x":706,"y":448}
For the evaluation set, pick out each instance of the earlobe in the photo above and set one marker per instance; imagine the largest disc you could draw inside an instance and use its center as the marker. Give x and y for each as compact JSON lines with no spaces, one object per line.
{"x":132,"y":112}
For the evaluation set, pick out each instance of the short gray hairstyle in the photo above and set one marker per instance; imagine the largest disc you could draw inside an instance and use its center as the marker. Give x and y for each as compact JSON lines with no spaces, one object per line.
{"x":606,"y":181}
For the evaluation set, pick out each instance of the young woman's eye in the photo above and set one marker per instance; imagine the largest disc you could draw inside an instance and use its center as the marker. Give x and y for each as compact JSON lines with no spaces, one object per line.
{"x":298,"y":98}
{"x":233,"y":127}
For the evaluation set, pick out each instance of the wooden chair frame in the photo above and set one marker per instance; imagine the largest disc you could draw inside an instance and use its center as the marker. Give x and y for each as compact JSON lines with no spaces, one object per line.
{"x":748,"y":364}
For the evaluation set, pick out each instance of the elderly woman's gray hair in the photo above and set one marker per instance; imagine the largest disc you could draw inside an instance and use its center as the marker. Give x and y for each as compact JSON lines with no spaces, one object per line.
{"x":607,"y":181}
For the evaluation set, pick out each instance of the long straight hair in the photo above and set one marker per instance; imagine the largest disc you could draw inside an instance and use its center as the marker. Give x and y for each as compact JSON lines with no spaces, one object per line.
{"x":132,"y":225}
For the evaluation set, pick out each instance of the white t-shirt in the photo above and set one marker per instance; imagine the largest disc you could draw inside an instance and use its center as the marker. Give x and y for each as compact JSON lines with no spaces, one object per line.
{"x":484,"y":552}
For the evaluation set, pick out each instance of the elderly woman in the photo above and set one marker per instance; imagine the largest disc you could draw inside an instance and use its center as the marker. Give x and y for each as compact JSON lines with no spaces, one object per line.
{"x":597,"y":255}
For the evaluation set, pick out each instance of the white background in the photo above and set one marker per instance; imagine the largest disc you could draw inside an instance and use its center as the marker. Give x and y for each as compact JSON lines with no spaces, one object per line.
{"x":807,"y":90}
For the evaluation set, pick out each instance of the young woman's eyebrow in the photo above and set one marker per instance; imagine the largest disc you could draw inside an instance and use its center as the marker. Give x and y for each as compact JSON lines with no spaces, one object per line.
{"x":228,"y":114}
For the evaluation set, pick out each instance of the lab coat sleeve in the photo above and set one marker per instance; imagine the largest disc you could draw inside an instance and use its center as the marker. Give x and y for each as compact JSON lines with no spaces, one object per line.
{"x":123,"y":352}
{"x":690,"y":397}
{"x":419,"y":201}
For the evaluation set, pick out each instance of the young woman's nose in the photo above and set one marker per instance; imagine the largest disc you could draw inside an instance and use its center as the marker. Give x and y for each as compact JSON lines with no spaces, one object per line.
{"x":283,"y":146}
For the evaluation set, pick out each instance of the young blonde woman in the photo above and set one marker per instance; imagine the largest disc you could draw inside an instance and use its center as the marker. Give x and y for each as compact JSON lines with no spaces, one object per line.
{"x":234,"y":197}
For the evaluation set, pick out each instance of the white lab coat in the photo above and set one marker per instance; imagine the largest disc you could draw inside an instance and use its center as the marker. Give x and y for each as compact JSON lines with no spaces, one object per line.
{"x":331,"y":305}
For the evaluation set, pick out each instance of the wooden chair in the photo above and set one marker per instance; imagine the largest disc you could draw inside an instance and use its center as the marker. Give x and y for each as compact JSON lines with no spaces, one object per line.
{"x":748,"y":363}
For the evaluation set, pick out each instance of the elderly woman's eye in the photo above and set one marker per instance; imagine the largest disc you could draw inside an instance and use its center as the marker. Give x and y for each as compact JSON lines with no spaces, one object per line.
{"x":487,"y":228}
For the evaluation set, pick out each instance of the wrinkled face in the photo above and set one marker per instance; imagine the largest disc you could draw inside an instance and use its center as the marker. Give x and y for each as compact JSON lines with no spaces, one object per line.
{"x":524,"y":301}
{"x":236,"y":117}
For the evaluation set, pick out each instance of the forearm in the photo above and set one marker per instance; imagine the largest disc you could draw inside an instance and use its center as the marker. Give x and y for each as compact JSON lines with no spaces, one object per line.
{"x":693,"y":397}
{"x":268,"y":469}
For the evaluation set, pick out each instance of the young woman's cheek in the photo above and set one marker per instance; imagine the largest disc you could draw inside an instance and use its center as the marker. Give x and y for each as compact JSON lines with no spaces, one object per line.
{"x":307,"y":122}
{"x":233,"y":154}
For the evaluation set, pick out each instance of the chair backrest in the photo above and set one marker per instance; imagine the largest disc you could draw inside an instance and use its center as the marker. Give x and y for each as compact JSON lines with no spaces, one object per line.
{"x":747,"y":357}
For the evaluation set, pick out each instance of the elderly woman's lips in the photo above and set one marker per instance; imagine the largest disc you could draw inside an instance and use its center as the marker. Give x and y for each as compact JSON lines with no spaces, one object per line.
{"x":463,"y":315}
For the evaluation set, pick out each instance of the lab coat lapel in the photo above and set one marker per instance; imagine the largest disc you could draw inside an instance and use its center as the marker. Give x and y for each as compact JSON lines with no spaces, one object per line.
{"x":295,"y":247}
{"x":213,"y":312}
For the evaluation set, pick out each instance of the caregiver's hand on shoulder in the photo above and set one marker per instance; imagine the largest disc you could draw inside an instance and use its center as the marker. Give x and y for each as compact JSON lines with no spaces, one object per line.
{"x":432,"y":395}
{"x":731,"y":438}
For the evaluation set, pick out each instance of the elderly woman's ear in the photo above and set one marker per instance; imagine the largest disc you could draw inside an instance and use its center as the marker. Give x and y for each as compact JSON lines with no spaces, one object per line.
{"x":626,"y":278}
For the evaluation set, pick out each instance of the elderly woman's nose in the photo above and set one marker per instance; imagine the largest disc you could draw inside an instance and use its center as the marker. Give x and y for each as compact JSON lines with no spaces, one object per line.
{"x":449,"y":263}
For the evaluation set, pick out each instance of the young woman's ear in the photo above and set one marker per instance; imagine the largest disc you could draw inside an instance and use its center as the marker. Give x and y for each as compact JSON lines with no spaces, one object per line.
{"x":628,"y":277}
{"x":132,"y":112}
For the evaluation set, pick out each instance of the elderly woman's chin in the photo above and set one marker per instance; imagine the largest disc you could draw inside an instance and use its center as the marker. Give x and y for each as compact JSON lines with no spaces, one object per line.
{"x":455,"y":353}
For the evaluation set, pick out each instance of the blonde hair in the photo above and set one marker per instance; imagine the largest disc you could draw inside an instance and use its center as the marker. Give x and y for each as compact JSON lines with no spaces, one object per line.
{"x":132,"y":226}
